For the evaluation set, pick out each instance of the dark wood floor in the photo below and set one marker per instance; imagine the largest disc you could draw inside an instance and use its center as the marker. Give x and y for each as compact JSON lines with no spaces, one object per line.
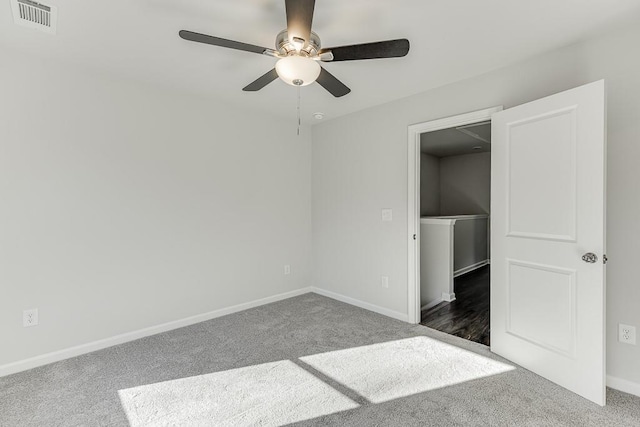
{"x":468,"y":315}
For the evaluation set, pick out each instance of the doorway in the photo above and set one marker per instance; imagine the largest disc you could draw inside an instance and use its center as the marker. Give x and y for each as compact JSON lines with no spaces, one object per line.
{"x":455,"y":189}
{"x":446,"y":138}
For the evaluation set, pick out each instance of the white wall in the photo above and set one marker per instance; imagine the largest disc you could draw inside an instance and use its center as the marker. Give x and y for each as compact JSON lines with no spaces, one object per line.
{"x":465,"y":184}
{"x":125,"y":206}
{"x":360,"y":166}
{"x":429,"y":185}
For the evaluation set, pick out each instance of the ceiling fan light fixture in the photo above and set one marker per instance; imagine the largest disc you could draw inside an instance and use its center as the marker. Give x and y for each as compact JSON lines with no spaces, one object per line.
{"x":298,"y":70}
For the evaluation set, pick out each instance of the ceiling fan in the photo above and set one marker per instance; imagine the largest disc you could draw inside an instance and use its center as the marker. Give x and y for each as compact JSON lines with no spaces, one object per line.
{"x":299,"y":51}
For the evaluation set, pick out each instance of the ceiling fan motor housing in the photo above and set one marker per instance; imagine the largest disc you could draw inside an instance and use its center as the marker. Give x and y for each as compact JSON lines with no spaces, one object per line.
{"x":286,"y":47}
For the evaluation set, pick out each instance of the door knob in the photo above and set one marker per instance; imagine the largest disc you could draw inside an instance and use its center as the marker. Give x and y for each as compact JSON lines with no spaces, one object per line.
{"x":589,"y":257}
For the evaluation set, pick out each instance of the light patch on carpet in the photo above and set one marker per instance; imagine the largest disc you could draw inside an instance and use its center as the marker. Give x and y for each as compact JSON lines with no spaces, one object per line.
{"x":269,"y":394}
{"x":386,"y":371}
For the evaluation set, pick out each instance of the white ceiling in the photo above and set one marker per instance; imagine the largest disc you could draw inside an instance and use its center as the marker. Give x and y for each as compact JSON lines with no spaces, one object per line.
{"x":450,"y":40}
{"x":453,"y":142}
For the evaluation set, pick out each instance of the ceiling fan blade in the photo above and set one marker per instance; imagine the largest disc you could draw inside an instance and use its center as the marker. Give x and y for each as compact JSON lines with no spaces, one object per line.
{"x":384,"y":49}
{"x":299,"y":19}
{"x":262,"y":81}
{"x":217,"y":41}
{"x":332,"y":84}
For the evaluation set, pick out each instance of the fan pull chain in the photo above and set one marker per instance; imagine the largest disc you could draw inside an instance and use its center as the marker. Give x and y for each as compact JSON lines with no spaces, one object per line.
{"x":298,"y":110}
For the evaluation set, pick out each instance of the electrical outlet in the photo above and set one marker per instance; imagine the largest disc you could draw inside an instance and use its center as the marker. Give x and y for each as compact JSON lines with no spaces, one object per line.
{"x":385,"y":281}
{"x":30,"y":317}
{"x":387,"y":215}
{"x":287,"y":269}
{"x":627,"y":334}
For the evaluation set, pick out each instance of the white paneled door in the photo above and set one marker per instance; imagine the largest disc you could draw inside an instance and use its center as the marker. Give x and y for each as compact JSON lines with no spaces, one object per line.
{"x":548,"y":238}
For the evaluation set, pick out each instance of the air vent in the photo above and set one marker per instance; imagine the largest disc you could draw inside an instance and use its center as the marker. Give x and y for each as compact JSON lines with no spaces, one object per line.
{"x":35,"y":15}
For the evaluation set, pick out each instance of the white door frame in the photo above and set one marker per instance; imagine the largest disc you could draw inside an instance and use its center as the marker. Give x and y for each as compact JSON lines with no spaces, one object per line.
{"x":413,"y":199}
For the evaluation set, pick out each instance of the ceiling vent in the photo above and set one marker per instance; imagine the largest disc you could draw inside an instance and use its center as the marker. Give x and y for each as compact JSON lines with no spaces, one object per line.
{"x":35,"y":15}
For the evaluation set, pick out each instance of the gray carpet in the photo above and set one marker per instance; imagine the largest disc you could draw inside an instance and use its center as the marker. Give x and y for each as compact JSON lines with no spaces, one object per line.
{"x":308,"y":360}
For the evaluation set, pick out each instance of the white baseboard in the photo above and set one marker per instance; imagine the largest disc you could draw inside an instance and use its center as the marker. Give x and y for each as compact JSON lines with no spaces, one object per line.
{"x":448,"y":297}
{"x":623,"y":385}
{"x":470,"y":268}
{"x":431,"y":304}
{"x":371,"y":307}
{"x":45,"y":359}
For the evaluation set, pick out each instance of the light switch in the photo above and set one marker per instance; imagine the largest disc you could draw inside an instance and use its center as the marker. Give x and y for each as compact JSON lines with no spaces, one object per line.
{"x":387,"y":215}
{"x":384,"y":280}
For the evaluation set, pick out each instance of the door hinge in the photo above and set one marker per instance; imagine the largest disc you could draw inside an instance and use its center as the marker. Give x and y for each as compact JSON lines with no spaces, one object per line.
{"x":414,"y":237}
{"x":604,"y":259}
